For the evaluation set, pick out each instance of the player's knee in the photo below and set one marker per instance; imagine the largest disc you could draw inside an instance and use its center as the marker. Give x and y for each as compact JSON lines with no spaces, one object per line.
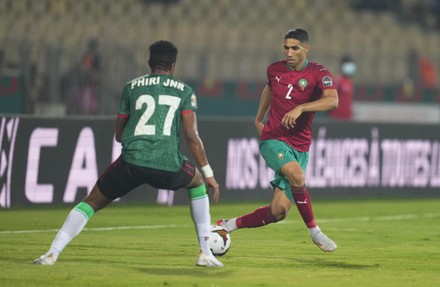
{"x":279,"y":212}
{"x":296,"y":178}
{"x":197,"y":179}
{"x":280,"y":215}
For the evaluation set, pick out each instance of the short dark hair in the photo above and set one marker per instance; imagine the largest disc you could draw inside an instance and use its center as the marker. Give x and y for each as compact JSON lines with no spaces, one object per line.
{"x":163,"y":54}
{"x":298,"y":34}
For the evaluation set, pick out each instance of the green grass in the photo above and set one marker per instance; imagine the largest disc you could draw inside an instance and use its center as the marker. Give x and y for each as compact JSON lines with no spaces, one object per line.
{"x":380,"y":243}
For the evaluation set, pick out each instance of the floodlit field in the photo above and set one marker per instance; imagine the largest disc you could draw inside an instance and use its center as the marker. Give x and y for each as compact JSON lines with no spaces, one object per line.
{"x":380,"y":243}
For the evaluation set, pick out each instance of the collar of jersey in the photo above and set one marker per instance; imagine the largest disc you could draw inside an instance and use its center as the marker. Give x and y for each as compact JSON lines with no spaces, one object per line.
{"x":302,"y":68}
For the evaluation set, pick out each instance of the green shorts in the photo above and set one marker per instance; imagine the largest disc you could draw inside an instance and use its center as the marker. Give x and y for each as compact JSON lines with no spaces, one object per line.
{"x":276,"y":154}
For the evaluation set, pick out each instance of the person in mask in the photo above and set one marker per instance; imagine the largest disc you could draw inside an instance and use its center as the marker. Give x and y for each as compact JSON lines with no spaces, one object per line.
{"x":345,"y":88}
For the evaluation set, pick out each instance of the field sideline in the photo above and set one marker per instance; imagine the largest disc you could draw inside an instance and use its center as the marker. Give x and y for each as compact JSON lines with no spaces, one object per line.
{"x":380,"y":243}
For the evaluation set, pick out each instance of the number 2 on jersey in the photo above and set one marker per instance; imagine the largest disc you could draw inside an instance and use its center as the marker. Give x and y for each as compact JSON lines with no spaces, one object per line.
{"x":290,"y":86}
{"x":142,"y":128}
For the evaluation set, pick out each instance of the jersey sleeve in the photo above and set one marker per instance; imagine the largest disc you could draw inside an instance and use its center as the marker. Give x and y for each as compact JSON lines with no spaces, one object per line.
{"x":124,"y":104}
{"x":268,"y":73}
{"x":189,"y":102}
{"x":325,"y":79}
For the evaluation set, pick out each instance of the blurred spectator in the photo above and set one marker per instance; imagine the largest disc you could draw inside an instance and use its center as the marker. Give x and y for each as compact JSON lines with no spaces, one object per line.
{"x":421,"y":71}
{"x":345,"y":87}
{"x":428,"y":73}
{"x":85,"y":95}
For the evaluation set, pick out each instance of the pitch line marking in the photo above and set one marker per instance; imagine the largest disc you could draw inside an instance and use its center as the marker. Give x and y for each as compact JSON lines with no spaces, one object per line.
{"x":94,"y":229}
{"x":322,"y":220}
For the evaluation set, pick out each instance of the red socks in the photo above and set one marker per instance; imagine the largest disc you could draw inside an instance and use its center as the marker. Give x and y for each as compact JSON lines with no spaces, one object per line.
{"x":304,"y":205}
{"x":263,"y":215}
{"x":259,"y":217}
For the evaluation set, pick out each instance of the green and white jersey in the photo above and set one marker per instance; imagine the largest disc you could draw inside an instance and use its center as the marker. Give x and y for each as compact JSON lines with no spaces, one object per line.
{"x":154,"y":104}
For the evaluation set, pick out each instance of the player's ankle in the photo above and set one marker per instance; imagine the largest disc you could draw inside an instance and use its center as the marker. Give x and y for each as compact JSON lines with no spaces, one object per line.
{"x":314,"y":230}
{"x":231,"y":224}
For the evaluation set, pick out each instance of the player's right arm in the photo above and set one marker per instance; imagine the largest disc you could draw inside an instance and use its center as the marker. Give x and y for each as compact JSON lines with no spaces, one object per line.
{"x":123,"y":114}
{"x":195,"y":145}
{"x":121,"y":121}
{"x":266,"y":97}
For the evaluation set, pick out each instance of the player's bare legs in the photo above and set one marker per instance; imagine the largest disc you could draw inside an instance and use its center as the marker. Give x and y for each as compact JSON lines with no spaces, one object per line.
{"x":264,"y":215}
{"x":295,"y":174}
{"x":96,"y":199}
{"x":281,"y":205}
{"x":74,"y":224}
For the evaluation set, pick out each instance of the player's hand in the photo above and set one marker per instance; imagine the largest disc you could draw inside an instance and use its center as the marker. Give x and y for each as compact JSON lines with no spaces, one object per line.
{"x":259,"y":125}
{"x":289,"y":119}
{"x":211,"y":183}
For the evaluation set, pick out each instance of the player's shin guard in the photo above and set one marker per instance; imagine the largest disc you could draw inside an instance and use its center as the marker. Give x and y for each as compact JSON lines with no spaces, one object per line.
{"x":304,"y":205}
{"x":199,"y":203}
{"x":74,"y":224}
{"x":259,"y":217}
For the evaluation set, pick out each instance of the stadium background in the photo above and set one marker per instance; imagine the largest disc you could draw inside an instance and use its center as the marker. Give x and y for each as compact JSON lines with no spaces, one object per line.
{"x":224,"y":48}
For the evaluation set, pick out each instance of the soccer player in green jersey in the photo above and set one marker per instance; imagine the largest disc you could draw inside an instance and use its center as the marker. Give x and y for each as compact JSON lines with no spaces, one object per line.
{"x":153,"y":110}
{"x":295,"y":90}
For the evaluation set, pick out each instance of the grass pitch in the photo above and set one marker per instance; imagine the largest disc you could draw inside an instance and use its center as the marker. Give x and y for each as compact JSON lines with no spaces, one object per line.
{"x":380,"y":243}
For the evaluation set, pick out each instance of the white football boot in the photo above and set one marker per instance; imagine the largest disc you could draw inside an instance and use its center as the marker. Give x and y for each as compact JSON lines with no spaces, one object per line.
{"x":46,"y":259}
{"x":208,"y":261}
{"x":323,"y":242}
{"x":222,"y":223}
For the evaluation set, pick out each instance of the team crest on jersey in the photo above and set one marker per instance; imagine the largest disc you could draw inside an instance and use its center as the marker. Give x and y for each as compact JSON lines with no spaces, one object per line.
{"x":194,"y":100}
{"x":302,"y":83}
{"x":327,"y":81}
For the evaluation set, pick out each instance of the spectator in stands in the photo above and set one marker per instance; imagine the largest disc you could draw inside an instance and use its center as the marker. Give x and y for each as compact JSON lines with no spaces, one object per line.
{"x":85,"y":95}
{"x":428,"y":73}
{"x":421,"y":72}
{"x":345,"y":88}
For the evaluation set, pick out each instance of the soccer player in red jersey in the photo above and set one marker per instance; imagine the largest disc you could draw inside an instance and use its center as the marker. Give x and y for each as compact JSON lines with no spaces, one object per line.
{"x":295,"y":90}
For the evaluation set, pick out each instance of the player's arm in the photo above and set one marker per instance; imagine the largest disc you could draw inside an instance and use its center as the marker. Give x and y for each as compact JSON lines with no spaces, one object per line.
{"x":121,"y":121}
{"x":263,"y":108}
{"x":327,"y":102}
{"x":123,"y":113}
{"x":195,"y":145}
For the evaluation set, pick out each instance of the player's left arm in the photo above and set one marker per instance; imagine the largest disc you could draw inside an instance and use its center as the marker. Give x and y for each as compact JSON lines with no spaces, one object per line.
{"x":195,"y":144}
{"x":327,"y":102}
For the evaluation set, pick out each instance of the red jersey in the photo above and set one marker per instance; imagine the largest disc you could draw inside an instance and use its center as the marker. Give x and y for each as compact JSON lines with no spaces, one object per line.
{"x":291,"y":88}
{"x":345,"y":88}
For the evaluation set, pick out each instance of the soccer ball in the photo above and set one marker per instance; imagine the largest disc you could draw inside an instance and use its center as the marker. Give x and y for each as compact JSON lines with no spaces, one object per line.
{"x":219,"y":240}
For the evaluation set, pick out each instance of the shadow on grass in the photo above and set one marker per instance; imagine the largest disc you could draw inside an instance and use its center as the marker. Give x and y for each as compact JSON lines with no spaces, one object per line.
{"x":186,"y":271}
{"x":334,"y":264}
